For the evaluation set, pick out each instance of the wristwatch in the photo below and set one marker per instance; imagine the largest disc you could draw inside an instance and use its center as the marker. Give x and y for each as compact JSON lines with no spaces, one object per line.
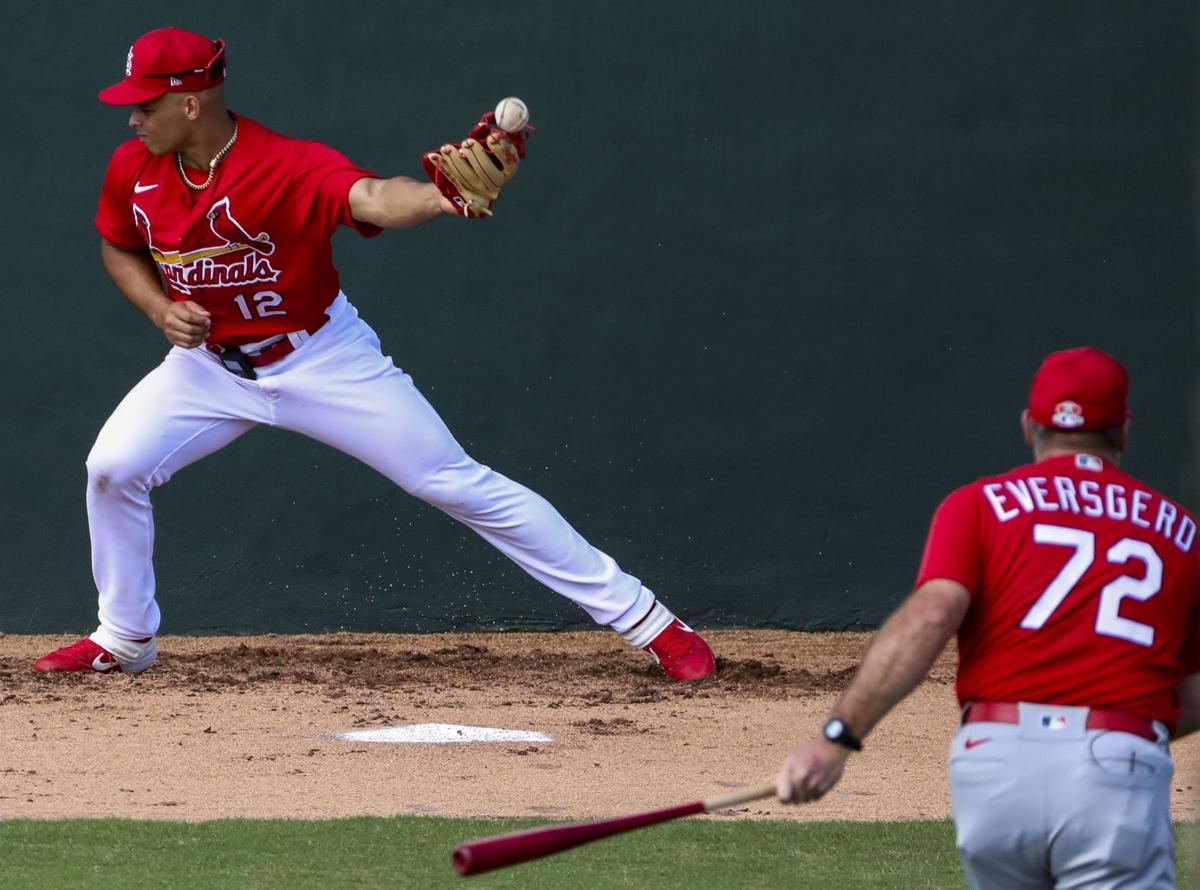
{"x":839,"y":733}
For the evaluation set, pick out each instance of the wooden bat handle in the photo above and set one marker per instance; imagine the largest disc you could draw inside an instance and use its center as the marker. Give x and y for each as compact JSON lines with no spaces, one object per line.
{"x":738,"y":798}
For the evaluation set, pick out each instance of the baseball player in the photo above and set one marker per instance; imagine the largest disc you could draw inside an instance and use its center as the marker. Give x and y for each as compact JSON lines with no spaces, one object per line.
{"x":218,"y":229}
{"x":1075,"y":593}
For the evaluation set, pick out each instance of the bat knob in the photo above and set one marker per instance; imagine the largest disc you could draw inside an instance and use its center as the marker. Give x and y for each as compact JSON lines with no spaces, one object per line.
{"x":462,"y":860}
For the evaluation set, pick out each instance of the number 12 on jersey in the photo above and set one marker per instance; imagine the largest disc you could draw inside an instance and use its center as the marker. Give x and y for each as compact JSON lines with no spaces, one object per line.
{"x":1108,"y":618}
{"x":260,"y":305}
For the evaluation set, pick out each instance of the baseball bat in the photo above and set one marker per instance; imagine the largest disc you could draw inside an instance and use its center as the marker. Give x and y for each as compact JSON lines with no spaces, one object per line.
{"x":486,"y":854}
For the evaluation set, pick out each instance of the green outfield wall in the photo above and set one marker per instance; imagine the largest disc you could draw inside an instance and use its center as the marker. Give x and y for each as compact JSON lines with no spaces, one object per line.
{"x":772,"y":281}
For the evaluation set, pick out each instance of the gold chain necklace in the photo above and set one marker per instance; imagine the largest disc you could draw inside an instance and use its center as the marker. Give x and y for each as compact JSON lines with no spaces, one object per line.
{"x":212,"y":165}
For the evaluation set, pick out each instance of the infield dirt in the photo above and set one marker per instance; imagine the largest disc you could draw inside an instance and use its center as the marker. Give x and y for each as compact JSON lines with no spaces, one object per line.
{"x":247,"y":727}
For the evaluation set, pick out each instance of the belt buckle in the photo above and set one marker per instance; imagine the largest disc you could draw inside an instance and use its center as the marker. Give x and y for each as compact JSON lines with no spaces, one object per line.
{"x":236,"y":362}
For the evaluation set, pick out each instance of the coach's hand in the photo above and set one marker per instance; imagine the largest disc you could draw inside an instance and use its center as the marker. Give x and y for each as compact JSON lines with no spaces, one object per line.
{"x":810,"y":771}
{"x":185,"y":323}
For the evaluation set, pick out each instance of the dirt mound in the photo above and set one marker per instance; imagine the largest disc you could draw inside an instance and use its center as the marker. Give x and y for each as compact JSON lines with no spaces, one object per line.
{"x":580,"y":668}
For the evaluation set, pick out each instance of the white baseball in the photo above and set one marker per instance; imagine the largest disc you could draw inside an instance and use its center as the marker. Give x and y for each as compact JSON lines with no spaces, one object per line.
{"x":511,"y":114}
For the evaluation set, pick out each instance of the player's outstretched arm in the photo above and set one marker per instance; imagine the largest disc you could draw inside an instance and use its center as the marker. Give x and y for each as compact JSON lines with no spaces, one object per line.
{"x":184,"y":323}
{"x":396,"y":203}
{"x":897,"y":660}
{"x":1189,"y":698}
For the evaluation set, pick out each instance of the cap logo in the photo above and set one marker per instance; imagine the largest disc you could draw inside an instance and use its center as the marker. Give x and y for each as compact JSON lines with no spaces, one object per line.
{"x":176,"y":82}
{"x":1067,"y":415}
{"x":129,"y":63}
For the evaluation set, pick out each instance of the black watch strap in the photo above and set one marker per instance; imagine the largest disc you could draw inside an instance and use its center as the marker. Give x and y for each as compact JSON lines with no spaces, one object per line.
{"x":839,"y":733}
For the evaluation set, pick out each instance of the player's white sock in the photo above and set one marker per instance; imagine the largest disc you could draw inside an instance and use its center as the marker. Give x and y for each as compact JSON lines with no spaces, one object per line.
{"x":655,"y":622}
{"x":127,"y":652}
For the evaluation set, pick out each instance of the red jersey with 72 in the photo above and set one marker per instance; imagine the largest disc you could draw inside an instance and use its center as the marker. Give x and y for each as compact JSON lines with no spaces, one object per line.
{"x":1085,"y":587}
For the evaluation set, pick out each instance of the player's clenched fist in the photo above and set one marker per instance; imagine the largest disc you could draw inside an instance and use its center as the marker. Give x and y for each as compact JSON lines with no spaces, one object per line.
{"x":185,"y":323}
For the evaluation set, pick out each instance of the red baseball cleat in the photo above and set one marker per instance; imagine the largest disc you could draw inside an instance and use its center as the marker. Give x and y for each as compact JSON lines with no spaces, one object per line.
{"x":682,"y":652}
{"x":117,"y":655}
{"x":82,"y":655}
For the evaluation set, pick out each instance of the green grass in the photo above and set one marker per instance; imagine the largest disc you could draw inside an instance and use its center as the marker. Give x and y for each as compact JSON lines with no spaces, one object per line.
{"x":414,"y":852}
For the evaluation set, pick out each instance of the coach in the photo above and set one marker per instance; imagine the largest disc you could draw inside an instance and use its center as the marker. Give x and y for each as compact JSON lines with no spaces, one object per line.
{"x":1075,"y":593}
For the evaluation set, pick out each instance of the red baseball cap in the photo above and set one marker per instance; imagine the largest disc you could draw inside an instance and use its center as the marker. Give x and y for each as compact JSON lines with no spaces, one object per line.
{"x":1080,"y":389}
{"x":167,"y":61}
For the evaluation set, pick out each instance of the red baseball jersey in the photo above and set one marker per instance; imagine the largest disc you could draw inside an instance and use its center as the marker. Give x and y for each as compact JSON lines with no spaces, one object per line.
{"x":1085,"y":587}
{"x":254,"y":248}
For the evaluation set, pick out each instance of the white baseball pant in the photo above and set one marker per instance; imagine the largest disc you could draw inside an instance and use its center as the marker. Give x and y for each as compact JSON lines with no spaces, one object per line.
{"x":1047,"y":803}
{"x":338,"y":388}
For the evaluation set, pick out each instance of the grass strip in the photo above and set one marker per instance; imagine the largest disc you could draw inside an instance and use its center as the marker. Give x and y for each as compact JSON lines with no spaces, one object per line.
{"x":414,"y":852}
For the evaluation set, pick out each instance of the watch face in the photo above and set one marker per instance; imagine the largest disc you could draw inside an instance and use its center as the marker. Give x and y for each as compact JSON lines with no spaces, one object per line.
{"x":834,"y":728}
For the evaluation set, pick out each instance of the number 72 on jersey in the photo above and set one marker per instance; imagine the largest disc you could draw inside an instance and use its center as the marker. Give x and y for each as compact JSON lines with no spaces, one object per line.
{"x":1108,"y":618}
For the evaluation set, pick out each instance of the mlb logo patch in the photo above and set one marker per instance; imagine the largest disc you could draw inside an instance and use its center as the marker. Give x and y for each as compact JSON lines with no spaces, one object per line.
{"x":1054,"y":722}
{"x":1089,"y":462}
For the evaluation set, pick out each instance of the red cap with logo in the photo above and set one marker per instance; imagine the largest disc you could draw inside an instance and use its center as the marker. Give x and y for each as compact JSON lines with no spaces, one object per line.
{"x":1080,"y":389}
{"x":168,"y":61}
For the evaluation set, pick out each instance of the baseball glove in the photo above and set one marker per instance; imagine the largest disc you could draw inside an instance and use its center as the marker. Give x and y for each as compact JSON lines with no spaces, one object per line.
{"x":471,"y":173}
